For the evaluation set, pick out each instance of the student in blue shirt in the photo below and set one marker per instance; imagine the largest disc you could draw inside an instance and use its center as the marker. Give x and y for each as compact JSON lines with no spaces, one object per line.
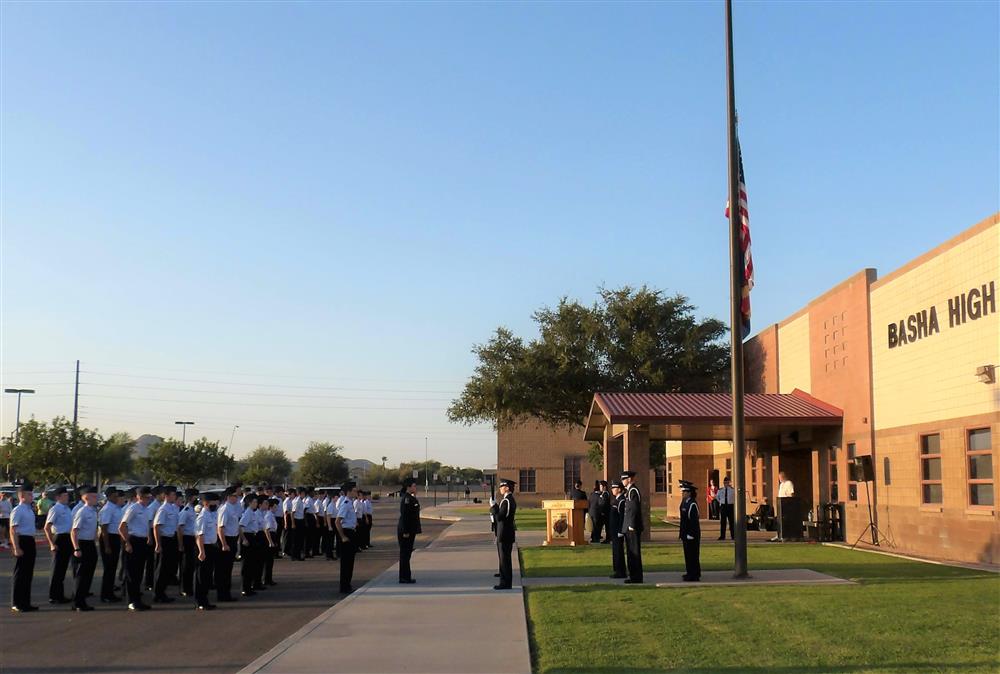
{"x":109,"y":518}
{"x":134,"y":530}
{"x":347,"y":524}
{"x":22,"y":539}
{"x":206,"y":535}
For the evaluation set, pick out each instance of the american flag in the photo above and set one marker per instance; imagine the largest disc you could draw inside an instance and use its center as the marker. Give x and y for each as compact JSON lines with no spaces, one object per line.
{"x":744,"y":247}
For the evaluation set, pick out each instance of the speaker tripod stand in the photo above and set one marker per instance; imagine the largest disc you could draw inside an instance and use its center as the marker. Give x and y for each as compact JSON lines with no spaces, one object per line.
{"x":872,"y":527}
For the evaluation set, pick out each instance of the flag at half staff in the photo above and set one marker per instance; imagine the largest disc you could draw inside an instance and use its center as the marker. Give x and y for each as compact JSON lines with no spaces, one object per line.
{"x":747,"y":284}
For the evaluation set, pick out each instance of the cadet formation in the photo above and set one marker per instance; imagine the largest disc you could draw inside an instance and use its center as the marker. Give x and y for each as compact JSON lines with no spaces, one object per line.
{"x":151,"y":539}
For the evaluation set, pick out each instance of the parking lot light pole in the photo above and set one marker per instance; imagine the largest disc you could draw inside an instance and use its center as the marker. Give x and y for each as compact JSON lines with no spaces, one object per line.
{"x":17,"y":422}
{"x":184,"y":425}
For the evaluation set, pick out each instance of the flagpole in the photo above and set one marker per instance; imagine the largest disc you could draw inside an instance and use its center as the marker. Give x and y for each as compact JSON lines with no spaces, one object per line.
{"x":736,"y":271}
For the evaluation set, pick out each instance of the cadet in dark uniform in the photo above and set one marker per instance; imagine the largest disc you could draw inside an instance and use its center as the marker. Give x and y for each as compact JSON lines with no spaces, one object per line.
{"x":84,"y":537}
{"x":634,"y":527}
{"x":616,"y":521}
{"x":58,"y":523}
{"x":503,"y":514}
{"x":690,"y":532}
{"x":347,"y":524}
{"x":408,"y":528}
{"x":22,"y":539}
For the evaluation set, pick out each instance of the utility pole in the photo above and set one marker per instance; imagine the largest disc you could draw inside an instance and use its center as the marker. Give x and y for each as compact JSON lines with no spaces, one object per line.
{"x":427,"y":472}
{"x":76,"y":394}
{"x":232,"y":437}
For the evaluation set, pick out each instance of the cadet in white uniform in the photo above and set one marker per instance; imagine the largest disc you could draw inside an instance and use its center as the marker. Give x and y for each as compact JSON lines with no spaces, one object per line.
{"x":347,"y":524}
{"x":58,"y":522}
{"x":206,"y":532}
{"x":271,"y":534}
{"x":165,"y":535}
{"x":188,"y":553}
{"x":134,"y":530}
{"x":109,"y":518}
{"x":229,"y":531}
{"x":249,"y":526}
{"x":84,"y":537}
{"x":22,"y":540}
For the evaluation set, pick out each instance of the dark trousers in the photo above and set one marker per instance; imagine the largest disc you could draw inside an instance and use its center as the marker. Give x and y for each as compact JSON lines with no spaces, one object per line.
{"x":405,"y":552}
{"x":110,"y":552}
{"x":224,"y":569}
{"x":278,"y":536}
{"x":149,"y":570}
{"x":347,"y":549}
{"x":85,"y":571}
{"x":618,"y":556}
{"x":24,"y":571}
{"x":289,"y":542}
{"x":597,"y":524}
{"x":166,"y":566}
{"x":60,"y":562}
{"x":270,"y":552}
{"x":368,"y":531}
{"x":692,"y":559}
{"x":633,"y":555}
{"x":298,"y":539}
{"x":310,"y":534}
{"x":727,"y":512}
{"x":330,"y":535}
{"x":205,"y":572}
{"x":248,"y":564}
{"x":189,"y":564}
{"x":135,"y":565}
{"x":504,"y":549}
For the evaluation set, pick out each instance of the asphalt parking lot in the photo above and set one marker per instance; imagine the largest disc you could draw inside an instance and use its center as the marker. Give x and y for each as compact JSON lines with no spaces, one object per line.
{"x":175,"y":637}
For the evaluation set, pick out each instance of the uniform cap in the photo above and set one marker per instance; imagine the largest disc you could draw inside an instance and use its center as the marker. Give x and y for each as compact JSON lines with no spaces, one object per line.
{"x":145,"y":491}
{"x":110,"y":491}
{"x":408,"y":482}
{"x":211,"y":496}
{"x":617,"y":485}
{"x":628,"y":474}
{"x":26,"y":486}
{"x":90,"y":490}
{"x":686,"y":485}
{"x":507,"y":483}
{"x":191,"y":492}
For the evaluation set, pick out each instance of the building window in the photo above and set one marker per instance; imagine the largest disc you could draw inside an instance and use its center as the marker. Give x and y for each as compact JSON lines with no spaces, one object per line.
{"x":979,"y":450}
{"x":661,"y":480}
{"x":852,"y":484}
{"x":670,"y":477}
{"x":729,"y":468}
{"x":753,"y":477}
{"x":834,"y":475}
{"x":571,"y":472}
{"x":930,"y":469}
{"x":526,"y":480}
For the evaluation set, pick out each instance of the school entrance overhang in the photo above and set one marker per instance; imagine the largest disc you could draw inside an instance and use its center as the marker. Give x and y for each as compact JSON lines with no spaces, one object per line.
{"x":707,"y":416}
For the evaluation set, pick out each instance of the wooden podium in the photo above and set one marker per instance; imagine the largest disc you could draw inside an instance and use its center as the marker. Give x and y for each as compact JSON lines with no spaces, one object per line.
{"x":564,"y":522}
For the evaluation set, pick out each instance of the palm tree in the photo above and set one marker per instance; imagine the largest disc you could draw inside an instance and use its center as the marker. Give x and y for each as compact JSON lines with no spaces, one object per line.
{"x":382,"y":474}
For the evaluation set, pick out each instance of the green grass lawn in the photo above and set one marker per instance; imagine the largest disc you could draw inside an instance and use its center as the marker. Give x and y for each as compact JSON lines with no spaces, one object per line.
{"x":901,"y":616}
{"x":533,"y":519}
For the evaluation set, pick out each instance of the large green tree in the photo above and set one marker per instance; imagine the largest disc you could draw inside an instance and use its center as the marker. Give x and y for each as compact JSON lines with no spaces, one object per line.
{"x":63,"y":452}
{"x":184,"y":464}
{"x":267,"y":464}
{"x":322,"y":464}
{"x":629,"y":340}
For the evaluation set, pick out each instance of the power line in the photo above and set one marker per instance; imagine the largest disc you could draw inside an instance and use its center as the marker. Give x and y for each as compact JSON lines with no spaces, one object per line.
{"x":285,"y":386}
{"x":275,"y":376}
{"x":248,"y":393}
{"x":234,"y":404}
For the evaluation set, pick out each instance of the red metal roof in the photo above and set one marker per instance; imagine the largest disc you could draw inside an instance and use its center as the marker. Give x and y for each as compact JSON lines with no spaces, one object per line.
{"x":797,"y":407}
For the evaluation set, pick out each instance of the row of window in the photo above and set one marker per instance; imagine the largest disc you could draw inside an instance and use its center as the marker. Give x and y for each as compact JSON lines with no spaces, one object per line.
{"x":979,"y":468}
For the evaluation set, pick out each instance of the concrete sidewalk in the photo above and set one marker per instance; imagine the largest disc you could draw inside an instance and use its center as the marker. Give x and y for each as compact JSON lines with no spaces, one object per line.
{"x":450,"y":621}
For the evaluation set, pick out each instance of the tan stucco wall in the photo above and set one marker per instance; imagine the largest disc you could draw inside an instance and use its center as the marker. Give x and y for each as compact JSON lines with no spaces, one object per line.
{"x":793,"y":365}
{"x":934,"y":377}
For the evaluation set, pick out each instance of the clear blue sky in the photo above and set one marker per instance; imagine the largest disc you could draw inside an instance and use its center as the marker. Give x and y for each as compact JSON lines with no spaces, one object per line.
{"x":210,"y":202}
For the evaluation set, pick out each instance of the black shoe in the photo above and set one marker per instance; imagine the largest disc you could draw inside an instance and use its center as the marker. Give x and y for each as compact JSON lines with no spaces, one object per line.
{"x":605,"y":542}
{"x":139,"y":607}
{"x":721,"y":538}
{"x":114,"y":599}
{"x":64,"y":600}
{"x":502,"y":587}
{"x":206,"y":607}
{"x":349,"y":590}
{"x":83,"y":607}
{"x":629,"y":581}
{"x":228,"y":599}
{"x":690,"y":579}
{"x":406,"y":581}
{"x":23,"y":609}
{"x":618,"y":577}
{"x":496,"y":575}
{"x":271,"y":583}
{"x":248,"y":593}
{"x":164,"y":600}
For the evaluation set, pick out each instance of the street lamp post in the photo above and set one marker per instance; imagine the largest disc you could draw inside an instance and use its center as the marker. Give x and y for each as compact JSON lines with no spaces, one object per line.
{"x":232,"y":437}
{"x":17,"y":422}
{"x":427,"y":474}
{"x":184,"y":425}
